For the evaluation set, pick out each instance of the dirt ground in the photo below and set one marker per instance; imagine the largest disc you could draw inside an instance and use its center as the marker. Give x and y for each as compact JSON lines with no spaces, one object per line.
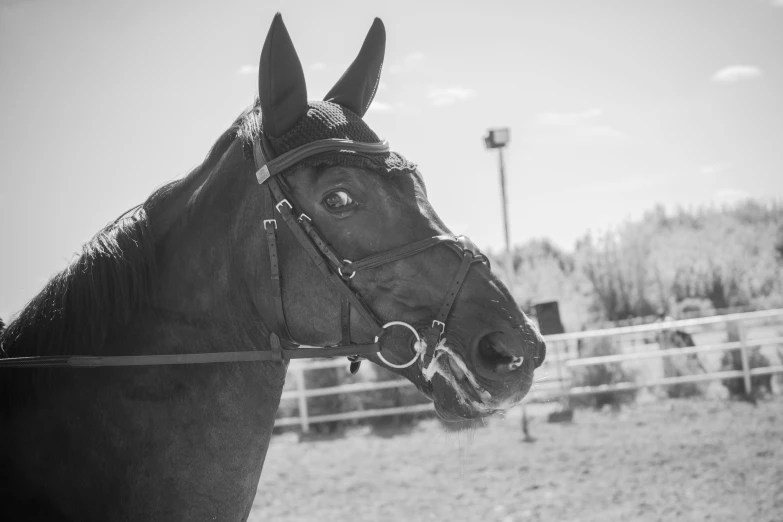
{"x":673,"y":460}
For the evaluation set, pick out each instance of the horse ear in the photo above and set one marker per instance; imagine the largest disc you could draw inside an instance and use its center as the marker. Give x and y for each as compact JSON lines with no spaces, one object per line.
{"x":356,"y":88}
{"x":282,"y":91}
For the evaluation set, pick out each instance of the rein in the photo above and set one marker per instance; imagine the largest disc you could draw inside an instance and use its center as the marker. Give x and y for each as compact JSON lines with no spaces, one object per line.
{"x":334,"y":268}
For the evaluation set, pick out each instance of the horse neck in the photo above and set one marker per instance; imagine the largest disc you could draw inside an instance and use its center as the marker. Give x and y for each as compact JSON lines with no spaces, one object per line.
{"x":204,"y":301}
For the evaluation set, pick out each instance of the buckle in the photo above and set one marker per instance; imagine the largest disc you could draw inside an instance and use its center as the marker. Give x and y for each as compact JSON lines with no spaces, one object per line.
{"x":267,"y":221}
{"x":442,"y":325}
{"x":304,"y":216}
{"x":277,"y":207}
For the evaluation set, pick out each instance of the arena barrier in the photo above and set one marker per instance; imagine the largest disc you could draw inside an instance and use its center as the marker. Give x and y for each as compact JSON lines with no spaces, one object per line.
{"x":752,"y":329}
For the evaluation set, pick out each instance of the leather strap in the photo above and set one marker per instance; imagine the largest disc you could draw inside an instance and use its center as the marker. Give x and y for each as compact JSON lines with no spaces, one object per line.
{"x":277,"y":353}
{"x":271,"y":167}
{"x":302,"y":237}
{"x":456,"y":284}
{"x":322,"y":254}
{"x":316,"y":237}
{"x":345,"y":319}
{"x":435,"y":331}
{"x":285,"y":208}
{"x":399,"y":253}
{"x":270,"y":228}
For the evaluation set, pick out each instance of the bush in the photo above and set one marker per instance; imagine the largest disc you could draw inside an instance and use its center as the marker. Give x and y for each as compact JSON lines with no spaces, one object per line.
{"x":610,"y":373}
{"x":729,"y":257}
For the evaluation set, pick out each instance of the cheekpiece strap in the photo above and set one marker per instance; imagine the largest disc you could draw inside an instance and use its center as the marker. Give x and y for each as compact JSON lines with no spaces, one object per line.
{"x":434,"y":333}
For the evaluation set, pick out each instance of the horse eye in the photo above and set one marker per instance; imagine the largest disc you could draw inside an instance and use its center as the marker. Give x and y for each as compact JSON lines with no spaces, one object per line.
{"x":337,"y":199}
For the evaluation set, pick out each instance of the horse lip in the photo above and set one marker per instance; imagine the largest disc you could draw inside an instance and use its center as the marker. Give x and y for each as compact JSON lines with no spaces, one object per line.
{"x":462,"y":382}
{"x":471,"y":379}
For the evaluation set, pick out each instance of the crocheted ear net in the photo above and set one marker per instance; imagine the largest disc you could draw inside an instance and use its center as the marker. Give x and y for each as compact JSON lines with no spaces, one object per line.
{"x":325,"y":120}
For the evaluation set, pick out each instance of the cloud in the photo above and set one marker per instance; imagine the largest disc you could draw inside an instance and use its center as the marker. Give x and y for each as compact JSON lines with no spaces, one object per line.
{"x":317,"y":66}
{"x":776,"y":3}
{"x":450,"y":95}
{"x":736,"y":73}
{"x":568,"y":118}
{"x":582,"y":124}
{"x":377,"y":106}
{"x":248,"y":69}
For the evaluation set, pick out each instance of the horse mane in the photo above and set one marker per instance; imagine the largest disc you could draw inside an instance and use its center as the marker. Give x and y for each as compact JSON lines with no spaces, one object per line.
{"x":105,"y":286}
{"x":102,"y":287}
{"x":115,"y":276}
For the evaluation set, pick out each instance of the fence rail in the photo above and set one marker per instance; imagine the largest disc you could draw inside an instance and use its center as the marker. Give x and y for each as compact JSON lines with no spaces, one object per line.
{"x":563,"y":359}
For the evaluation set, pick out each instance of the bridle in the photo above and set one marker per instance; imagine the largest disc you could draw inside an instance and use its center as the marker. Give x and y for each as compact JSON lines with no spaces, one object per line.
{"x":335,"y":268}
{"x":338,"y":271}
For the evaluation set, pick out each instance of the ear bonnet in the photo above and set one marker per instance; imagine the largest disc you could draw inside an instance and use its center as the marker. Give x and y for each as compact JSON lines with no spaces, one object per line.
{"x":297,"y":133}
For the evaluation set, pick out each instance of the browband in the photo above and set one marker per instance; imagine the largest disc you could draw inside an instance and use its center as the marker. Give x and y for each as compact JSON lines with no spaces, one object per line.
{"x":269,"y":167}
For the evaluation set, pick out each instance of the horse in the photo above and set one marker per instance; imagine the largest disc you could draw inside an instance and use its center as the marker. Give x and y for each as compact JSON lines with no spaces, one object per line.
{"x":142,"y":382}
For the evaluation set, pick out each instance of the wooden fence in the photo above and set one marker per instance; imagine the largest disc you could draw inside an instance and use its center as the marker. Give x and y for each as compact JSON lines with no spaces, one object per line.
{"x":752,"y":330}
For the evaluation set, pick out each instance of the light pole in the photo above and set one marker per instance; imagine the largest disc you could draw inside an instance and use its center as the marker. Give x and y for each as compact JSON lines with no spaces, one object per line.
{"x":498,"y":139}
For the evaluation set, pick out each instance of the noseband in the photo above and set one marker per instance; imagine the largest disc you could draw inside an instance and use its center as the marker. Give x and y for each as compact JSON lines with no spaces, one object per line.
{"x":340,"y":271}
{"x":333,"y":267}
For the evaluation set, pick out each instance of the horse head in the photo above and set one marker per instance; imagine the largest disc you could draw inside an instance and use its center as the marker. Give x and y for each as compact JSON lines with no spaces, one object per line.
{"x":441,"y":317}
{"x":300,"y":228}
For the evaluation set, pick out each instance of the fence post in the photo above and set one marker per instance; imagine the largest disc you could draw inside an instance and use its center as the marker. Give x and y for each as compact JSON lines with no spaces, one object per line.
{"x":300,"y":389}
{"x":743,"y":338}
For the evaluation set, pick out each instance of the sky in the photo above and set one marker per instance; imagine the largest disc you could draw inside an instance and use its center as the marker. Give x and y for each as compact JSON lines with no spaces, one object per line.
{"x":613,"y":107}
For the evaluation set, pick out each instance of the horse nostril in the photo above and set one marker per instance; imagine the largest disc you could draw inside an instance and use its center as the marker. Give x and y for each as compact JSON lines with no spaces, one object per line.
{"x":494,"y":355}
